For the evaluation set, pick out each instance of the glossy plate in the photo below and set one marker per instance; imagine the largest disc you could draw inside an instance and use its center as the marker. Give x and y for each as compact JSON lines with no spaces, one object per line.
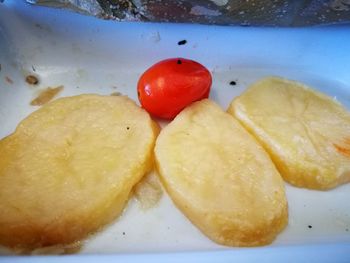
{"x":88,"y":55}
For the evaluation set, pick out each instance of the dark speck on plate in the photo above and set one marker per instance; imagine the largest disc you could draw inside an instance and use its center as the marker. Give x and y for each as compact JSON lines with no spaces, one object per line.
{"x":8,"y":80}
{"x":309,"y":226}
{"x":32,"y":80}
{"x":182,"y":42}
{"x":123,"y":233}
{"x":233,"y":83}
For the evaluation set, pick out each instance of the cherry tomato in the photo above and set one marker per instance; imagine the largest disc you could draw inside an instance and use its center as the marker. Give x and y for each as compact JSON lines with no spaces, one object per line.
{"x":170,"y":85}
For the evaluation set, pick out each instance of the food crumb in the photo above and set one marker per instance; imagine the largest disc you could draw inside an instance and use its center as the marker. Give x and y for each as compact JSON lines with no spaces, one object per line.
{"x":182,"y":42}
{"x":233,"y":83}
{"x":9,"y":80}
{"x":116,"y":93}
{"x":32,"y":80}
{"x":128,"y":128}
{"x":46,"y":95}
{"x":309,"y":226}
{"x":148,"y":191}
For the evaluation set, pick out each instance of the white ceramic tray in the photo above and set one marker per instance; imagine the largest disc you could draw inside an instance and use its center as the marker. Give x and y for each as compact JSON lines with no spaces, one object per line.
{"x":88,"y":55}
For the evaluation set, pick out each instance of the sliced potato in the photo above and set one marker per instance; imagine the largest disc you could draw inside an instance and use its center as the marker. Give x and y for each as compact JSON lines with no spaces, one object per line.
{"x":306,"y":133}
{"x":220,"y":177}
{"x":69,"y":167}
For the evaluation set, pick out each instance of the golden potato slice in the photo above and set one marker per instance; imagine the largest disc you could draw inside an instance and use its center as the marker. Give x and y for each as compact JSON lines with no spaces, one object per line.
{"x":69,"y":167}
{"x":306,"y":133}
{"x":220,"y":177}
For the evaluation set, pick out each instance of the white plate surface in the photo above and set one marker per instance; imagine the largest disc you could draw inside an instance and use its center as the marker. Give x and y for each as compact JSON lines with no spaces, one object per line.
{"x":88,"y":55}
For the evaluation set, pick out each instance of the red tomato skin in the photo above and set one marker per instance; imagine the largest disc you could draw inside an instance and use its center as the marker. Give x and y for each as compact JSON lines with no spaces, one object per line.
{"x":170,"y":85}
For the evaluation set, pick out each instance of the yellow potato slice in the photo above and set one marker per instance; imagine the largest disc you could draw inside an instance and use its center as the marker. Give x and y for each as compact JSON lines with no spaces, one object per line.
{"x":306,"y":133}
{"x":69,"y":167}
{"x":220,"y":177}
